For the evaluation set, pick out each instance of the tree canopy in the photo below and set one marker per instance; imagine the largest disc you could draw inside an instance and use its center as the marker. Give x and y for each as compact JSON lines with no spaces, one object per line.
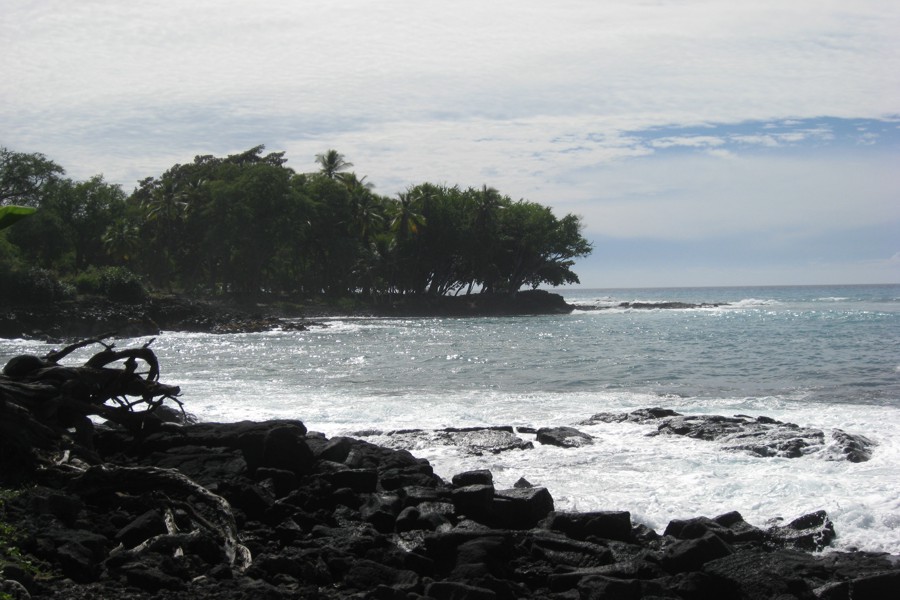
{"x":249,"y":224}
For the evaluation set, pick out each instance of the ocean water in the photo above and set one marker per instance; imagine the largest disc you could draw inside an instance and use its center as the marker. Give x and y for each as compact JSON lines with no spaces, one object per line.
{"x":818,"y":356}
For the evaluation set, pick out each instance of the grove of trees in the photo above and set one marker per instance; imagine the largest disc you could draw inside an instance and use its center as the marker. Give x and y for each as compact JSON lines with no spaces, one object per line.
{"x":247,"y":224}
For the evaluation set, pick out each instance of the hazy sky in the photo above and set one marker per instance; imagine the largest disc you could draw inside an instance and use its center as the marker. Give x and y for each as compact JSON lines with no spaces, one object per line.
{"x":705,"y":142}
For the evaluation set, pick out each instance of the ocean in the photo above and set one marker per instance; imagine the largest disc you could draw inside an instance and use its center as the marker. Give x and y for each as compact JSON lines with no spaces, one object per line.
{"x":819,"y":356}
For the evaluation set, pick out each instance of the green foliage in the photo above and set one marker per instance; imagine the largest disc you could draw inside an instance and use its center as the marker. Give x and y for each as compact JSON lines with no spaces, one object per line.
{"x":114,"y":283}
{"x":10,"y":540}
{"x":32,"y":286}
{"x":23,"y":177}
{"x":247,"y":225}
{"x":11,"y":214}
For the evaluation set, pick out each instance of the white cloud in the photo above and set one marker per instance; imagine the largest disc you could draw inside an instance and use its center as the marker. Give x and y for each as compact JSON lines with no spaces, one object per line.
{"x":693,"y":141}
{"x":696,"y":196}
{"x":557,"y":102}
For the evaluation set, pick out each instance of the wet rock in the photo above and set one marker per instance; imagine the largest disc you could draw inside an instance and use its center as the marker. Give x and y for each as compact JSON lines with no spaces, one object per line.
{"x":642,"y":415}
{"x":474,"y":441}
{"x":692,"y":554}
{"x":358,"y":480}
{"x":474,"y":501}
{"x":560,"y":550}
{"x":285,"y":448}
{"x":872,"y":587}
{"x":731,"y":527}
{"x":609,"y":525}
{"x":756,"y":574}
{"x":855,"y":448}
{"x":479,"y":477}
{"x":364,"y":521}
{"x":761,"y":436}
{"x":811,"y":532}
{"x":565,"y":437}
{"x":520,"y":508}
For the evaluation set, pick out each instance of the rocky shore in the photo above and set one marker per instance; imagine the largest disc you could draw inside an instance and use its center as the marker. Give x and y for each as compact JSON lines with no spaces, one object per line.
{"x":151,"y":506}
{"x":92,"y":317}
{"x":271,"y":510}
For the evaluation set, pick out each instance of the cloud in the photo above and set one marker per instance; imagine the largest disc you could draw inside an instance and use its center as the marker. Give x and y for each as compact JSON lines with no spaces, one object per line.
{"x":699,"y":196}
{"x":671,"y":119}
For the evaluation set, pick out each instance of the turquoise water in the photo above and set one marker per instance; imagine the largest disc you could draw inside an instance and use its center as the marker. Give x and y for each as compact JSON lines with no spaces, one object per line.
{"x":822,"y":356}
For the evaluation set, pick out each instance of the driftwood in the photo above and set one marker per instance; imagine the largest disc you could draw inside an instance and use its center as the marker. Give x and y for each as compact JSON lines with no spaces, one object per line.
{"x":46,"y":433}
{"x":210,"y":514}
{"x":49,"y":399}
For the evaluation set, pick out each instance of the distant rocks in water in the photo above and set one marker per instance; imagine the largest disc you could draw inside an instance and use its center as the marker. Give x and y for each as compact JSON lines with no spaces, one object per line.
{"x":474,"y":441}
{"x":477,"y":441}
{"x":653,"y":305}
{"x":90,"y":318}
{"x":53,"y":322}
{"x":856,"y":448}
{"x":670,"y":305}
{"x":565,"y":437}
{"x":761,"y":436}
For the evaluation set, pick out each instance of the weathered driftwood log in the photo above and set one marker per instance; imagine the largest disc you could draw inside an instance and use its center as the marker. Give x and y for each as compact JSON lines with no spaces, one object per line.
{"x":211,"y":514}
{"x":45,"y":413}
{"x":42,"y":403}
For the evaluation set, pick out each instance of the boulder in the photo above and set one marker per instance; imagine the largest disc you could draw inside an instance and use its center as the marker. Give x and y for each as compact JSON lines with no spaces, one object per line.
{"x":520,"y":508}
{"x":479,"y":477}
{"x":564,"y":437}
{"x":692,"y":554}
{"x":609,"y":525}
{"x":855,"y":448}
{"x":811,"y":532}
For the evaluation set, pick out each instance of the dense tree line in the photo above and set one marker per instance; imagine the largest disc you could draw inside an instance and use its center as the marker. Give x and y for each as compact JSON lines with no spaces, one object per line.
{"x":248,"y":224}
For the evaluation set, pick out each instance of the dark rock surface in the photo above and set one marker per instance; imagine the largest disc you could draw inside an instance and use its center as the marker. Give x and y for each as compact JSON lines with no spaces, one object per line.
{"x":761,"y":436}
{"x":653,"y":305}
{"x":286,"y":513}
{"x":474,"y":441}
{"x":565,"y":437}
{"x":93,"y":317}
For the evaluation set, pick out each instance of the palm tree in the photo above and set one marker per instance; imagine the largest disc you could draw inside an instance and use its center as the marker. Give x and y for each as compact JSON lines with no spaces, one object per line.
{"x":121,"y":240}
{"x":332,"y":163}
{"x":488,"y":202}
{"x":368,"y":216}
{"x":167,"y":205}
{"x":407,"y":220}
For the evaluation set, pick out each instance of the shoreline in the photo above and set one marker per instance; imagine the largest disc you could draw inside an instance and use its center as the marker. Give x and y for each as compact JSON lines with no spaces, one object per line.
{"x":318,"y":517}
{"x":149,"y":506}
{"x":91,"y":317}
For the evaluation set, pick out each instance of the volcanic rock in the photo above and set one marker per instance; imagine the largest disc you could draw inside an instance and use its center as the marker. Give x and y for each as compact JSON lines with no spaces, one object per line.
{"x":760,"y":436}
{"x":565,"y":437}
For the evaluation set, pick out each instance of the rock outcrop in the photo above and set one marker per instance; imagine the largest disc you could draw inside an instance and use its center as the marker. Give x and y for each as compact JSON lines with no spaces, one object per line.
{"x":271,"y":510}
{"x":761,"y":436}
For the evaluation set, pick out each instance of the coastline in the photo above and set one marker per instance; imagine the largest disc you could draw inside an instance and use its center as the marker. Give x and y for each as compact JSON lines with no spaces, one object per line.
{"x":341,"y":517}
{"x":312,"y":517}
{"x":90,"y":317}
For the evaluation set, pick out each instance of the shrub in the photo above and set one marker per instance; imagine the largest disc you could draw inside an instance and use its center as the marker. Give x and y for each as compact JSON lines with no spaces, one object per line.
{"x":121,"y":285}
{"x":32,"y":286}
{"x":114,"y":283}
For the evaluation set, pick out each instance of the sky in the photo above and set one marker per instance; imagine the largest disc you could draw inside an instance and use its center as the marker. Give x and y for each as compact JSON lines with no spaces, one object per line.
{"x":703,"y":142}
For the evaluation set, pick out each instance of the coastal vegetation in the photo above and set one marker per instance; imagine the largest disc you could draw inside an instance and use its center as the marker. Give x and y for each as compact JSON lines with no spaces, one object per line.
{"x":247,"y":225}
